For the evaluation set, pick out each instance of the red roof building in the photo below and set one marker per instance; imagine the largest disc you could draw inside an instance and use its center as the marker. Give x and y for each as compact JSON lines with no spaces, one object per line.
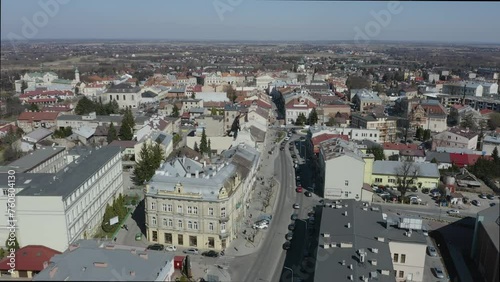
{"x":29,"y":261}
{"x":462,"y":160}
{"x":323,"y":137}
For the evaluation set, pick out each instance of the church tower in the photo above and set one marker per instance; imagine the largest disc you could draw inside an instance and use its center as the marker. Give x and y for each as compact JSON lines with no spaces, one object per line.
{"x":77,"y":75}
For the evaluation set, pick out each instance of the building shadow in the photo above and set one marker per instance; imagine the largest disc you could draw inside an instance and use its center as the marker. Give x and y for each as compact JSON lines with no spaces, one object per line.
{"x":139,"y":217}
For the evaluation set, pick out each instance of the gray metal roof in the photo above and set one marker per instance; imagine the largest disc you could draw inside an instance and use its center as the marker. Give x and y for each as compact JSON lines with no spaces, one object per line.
{"x":390,"y":168}
{"x":441,"y":157}
{"x":66,"y":181}
{"x":366,"y":226}
{"x":35,"y":158}
{"x":116,"y":120}
{"x":99,"y":261}
{"x":39,"y":134}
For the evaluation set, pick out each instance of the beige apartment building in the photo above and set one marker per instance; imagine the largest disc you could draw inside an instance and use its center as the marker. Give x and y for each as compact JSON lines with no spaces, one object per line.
{"x":194,"y":204}
{"x":386,"y":125}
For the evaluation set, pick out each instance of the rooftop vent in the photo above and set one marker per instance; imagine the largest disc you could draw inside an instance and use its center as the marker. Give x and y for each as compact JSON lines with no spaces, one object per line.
{"x":380,"y":239}
{"x":326,"y":235}
{"x":346,"y":245}
{"x":348,"y":225}
{"x":350,"y":266}
{"x":385,"y":272}
{"x":350,"y":277}
{"x":373,"y":262}
{"x":342,"y":262}
{"x":375,"y":250}
{"x":345,"y":213}
{"x":73,"y":247}
{"x":100,"y":264}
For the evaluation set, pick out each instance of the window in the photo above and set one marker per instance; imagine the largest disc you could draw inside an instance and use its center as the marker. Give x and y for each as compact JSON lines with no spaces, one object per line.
{"x":190,"y":210}
{"x":179,"y":209}
{"x":153,"y":220}
{"x":401,"y":274}
{"x":396,"y":258}
{"x":346,"y":183}
{"x":111,"y":97}
{"x":392,"y":180}
{"x":195,"y":225}
{"x":124,"y":98}
{"x":210,"y":226}
{"x":179,"y":223}
{"x":210,"y":211}
{"x":193,"y":241}
{"x":168,"y":238}
{"x":403,"y":258}
{"x":164,"y":221}
{"x":190,"y":225}
{"x":117,"y":97}
{"x":170,"y":222}
{"x":164,"y":207}
{"x":169,"y":208}
{"x":153,"y":206}
{"x":223,"y":212}
{"x":180,"y":239}
{"x":223,"y":227}
{"x":378,"y":180}
{"x":155,"y":236}
{"x":195,"y":210}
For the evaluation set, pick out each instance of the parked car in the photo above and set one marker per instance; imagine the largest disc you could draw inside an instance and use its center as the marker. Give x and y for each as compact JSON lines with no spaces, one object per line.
{"x":212,"y":254}
{"x":261,"y":225}
{"x":287,"y":245}
{"x":431,"y":251}
{"x":289,"y":236}
{"x":298,"y":189}
{"x":490,"y":197}
{"x":453,"y":212}
{"x":308,"y":194}
{"x":171,"y":248}
{"x":476,"y":203}
{"x":294,"y":216}
{"x":287,"y":138}
{"x":296,"y":206}
{"x":482,"y":196}
{"x":156,"y":247}
{"x":138,"y":236}
{"x":439,"y":272}
{"x":291,"y":227}
{"x":191,"y":251}
{"x":492,"y":204}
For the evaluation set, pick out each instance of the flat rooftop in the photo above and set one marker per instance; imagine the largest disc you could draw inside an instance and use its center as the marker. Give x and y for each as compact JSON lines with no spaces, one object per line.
{"x":33,"y":159}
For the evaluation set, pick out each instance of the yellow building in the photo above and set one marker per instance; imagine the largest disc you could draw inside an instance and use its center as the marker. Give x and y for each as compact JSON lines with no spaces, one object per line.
{"x":386,"y":173}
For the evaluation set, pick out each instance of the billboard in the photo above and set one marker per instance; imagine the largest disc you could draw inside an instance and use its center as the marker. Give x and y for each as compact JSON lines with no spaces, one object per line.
{"x":113,"y":220}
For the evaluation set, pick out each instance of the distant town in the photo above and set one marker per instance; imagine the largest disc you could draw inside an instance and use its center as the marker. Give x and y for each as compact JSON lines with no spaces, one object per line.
{"x":249,"y":161}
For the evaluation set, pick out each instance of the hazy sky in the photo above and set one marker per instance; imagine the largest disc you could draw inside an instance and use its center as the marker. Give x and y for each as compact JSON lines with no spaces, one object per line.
{"x":249,"y":20}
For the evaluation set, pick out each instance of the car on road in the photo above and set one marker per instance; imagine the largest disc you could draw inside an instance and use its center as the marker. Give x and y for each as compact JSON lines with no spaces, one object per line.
{"x":294,"y":216}
{"x":291,"y":227}
{"x":298,"y":189}
{"x":296,"y":206}
{"x":439,"y":272}
{"x":453,"y":212}
{"x":282,"y":148}
{"x":490,"y":197}
{"x":482,"y":196}
{"x":211,"y":254}
{"x":287,"y":138}
{"x":260,"y":225}
{"x":302,"y":138}
{"x":476,"y":203}
{"x":156,"y":247}
{"x":294,"y":156}
{"x":287,"y":245}
{"x":308,"y":194}
{"x":297,"y":177}
{"x":289,"y":236}
{"x":492,"y":204}
{"x":191,"y":251}
{"x":311,"y":213}
{"x":171,"y":248}
{"x":431,"y":251}
{"x":138,"y":236}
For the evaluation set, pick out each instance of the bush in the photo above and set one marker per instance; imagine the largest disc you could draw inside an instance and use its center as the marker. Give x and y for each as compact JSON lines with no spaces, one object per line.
{"x":425,"y":190}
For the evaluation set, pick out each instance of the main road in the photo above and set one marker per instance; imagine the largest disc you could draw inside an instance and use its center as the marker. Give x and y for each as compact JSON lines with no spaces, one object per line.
{"x":263,"y":264}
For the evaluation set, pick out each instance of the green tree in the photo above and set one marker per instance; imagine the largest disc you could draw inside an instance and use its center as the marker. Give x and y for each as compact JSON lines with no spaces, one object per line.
{"x":143,"y":170}
{"x":426,"y":135}
{"x":157,"y":156}
{"x":112,"y":134}
{"x":406,"y":174}
{"x":330,"y":122}
{"x":494,"y":155}
{"x":175,"y":111}
{"x":434,"y":161}
{"x":378,"y":152}
{"x":24,"y":86}
{"x":419,"y":134}
{"x":127,"y":127}
{"x":176,"y":139}
{"x":203,"y":142}
{"x":85,"y":106}
{"x":33,"y":108}
{"x":468,"y":122}
{"x":196,"y":147}
{"x":12,"y":243}
{"x":108,"y":215}
{"x":494,"y":121}
{"x":209,"y":149}
{"x":301,"y":120}
{"x":231,"y":93}
{"x":213,"y":111}
{"x":11,"y":153}
{"x":313,"y":117}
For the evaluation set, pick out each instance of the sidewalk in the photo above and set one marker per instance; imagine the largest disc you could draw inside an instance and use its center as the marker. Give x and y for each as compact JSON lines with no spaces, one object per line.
{"x":255,"y":207}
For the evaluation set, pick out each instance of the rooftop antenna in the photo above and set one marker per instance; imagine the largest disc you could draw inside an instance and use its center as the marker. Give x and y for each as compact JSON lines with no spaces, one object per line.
{"x":463,"y":98}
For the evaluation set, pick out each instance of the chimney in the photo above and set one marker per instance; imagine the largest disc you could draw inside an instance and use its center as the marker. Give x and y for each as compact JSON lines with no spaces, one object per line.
{"x":197,"y":174}
{"x":144,"y":256}
{"x":132,"y":273}
{"x":100,"y":264}
{"x":73,"y":247}
{"x":45,"y":264}
{"x":133,"y":251}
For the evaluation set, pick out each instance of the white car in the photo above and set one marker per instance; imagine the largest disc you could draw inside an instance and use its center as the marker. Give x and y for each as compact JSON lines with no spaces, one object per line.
{"x":171,"y":248}
{"x":262,"y":225}
{"x":453,"y":212}
{"x":296,"y":206}
{"x":287,"y":138}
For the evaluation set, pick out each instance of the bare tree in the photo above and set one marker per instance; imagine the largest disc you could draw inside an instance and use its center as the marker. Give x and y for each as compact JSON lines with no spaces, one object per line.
{"x":406,"y":174}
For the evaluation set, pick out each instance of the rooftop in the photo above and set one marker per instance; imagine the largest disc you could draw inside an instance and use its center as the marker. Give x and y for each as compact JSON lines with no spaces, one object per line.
{"x":30,"y":258}
{"x":35,"y":158}
{"x":391,"y":168}
{"x":90,"y":260}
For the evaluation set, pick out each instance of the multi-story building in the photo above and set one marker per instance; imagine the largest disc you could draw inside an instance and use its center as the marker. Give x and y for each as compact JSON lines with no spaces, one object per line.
{"x":91,"y":120}
{"x":490,"y":142}
{"x":124,"y":94}
{"x":427,"y":114}
{"x":42,"y":160}
{"x":163,"y":139}
{"x":456,"y":138}
{"x":468,"y":88}
{"x":297,"y":106}
{"x":91,"y":260}
{"x":355,"y":134}
{"x":29,"y":261}
{"x":478,"y":103}
{"x":388,"y":173}
{"x":72,"y":200}
{"x":193,"y":204}
{"x":29,"y":121}
{"x":364,"y":98}
{"x":342,"y":169}
{"x":485,"y":249}
{"x":385,"y":124}
{"x":188,"y":104}
{"x":359,"y":242}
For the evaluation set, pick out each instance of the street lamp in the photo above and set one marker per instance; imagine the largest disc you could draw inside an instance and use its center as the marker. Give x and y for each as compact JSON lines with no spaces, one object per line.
{"x":290,"y":270}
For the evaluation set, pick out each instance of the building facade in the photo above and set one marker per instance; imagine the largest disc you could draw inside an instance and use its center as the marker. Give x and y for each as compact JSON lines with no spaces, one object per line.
{"x":124,"y":94}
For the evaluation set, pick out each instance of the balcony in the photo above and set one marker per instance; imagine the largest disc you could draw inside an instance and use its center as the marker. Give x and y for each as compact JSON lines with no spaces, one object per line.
{"x":223,"y":235}
{"x":224,"y":218}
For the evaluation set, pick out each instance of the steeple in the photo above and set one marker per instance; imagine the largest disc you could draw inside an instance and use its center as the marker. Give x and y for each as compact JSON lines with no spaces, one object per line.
{"x":77,"y":75}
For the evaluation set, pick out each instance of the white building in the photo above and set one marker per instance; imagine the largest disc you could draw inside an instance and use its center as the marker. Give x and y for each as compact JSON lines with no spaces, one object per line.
{"x":263,"y":81}
{"x":56,"y":210}
{"x":456,"y":138}
{"x":124,"y":94}
{"x":355,"y":134}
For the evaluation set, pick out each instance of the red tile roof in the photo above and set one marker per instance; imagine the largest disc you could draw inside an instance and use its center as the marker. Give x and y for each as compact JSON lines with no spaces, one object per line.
{"x":461,"y":160}
{"x":486,"y":112}
{"x":259,"y":103}
{"x":56,"y":108}
{"x":399,"y":146}
{"x":326,"y":136}
{"x":30,"y":257}
{"x":8,"y":127}
{"x":31,"y":116}
{"x":295,"y":104}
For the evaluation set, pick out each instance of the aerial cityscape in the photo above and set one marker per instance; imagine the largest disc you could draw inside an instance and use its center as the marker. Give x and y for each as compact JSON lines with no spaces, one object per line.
{"x":246,"y":140}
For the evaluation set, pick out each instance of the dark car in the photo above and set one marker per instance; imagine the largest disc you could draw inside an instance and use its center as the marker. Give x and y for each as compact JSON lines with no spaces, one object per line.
{"x":212,"y":254}
{"x":308,"y":194}
{"x":291,"y":227}
{"x":289,"y":236}
{"x":490,"y":197}
{"x":156,"y":247}
{"x":287,"y":245}
{"x":294,"y":216}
